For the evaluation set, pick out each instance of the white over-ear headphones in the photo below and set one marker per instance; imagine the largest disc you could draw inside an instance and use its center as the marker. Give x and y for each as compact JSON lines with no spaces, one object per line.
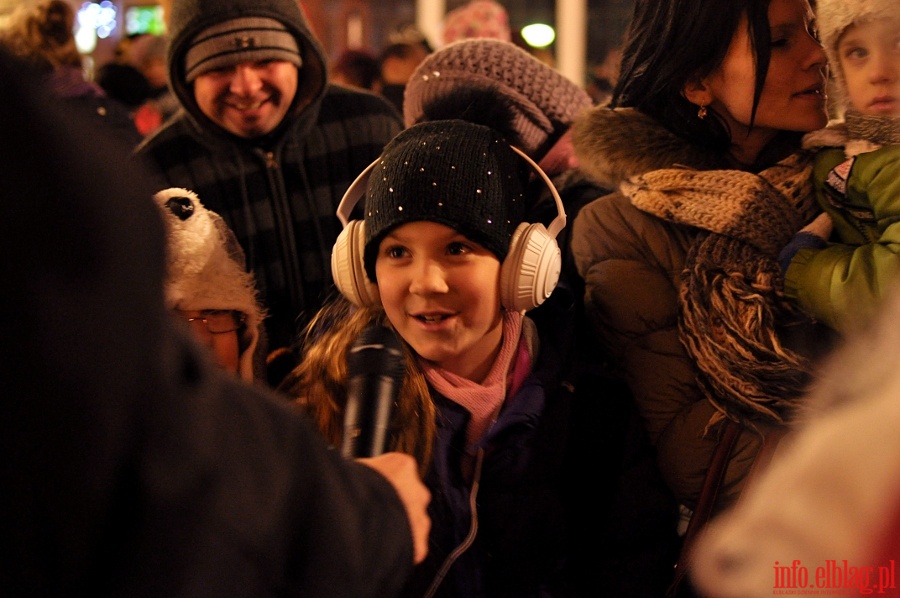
{"x":528,"y":275}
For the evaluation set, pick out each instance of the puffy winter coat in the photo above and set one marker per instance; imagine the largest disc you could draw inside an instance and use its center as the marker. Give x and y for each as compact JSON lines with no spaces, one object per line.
{"x":632,"y":263}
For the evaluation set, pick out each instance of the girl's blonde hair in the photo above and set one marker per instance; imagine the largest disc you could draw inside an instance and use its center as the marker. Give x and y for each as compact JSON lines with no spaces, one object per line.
{"x":43,"y":34}
{"x":319,"y":383}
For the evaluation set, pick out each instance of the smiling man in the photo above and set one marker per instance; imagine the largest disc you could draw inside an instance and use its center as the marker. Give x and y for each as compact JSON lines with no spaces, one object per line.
{"x":267,"y":143}
{"x":244,"y":72}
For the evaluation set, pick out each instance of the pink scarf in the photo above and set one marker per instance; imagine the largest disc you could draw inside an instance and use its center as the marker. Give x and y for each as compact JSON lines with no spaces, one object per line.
{"x":483,"y":401}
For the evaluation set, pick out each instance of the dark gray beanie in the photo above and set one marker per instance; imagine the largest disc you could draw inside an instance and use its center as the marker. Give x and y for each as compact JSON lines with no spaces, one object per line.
{"x":239,"y":40}
{"x":452,"y":172}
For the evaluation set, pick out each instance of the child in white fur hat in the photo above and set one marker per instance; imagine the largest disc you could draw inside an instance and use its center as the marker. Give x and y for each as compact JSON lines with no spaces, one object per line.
{"x":857,"y":171}
{"x":207,"y":284}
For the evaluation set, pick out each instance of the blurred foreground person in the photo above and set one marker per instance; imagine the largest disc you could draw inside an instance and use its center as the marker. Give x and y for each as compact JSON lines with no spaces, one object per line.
{"x":825,"y":515}
{"x":42,"y":34}
{"x":130,"y":465}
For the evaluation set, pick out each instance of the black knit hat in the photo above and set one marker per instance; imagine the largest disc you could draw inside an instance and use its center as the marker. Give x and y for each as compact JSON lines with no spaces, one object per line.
{"x":452,"y":172}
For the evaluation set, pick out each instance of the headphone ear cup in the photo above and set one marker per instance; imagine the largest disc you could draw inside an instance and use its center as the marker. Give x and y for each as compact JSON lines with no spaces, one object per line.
{"x":531,"y":269}
{"x":348,"y":267}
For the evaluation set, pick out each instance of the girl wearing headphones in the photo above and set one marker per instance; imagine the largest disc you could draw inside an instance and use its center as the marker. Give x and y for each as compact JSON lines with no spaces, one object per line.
{"x":444,"y":257}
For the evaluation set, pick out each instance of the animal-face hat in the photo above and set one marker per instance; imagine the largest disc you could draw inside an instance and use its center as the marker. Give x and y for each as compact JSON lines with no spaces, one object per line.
{"x":206,"y":268}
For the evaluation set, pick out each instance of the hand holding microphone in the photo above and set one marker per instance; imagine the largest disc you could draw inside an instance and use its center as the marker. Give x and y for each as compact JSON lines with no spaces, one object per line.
{"x":376,"y":366}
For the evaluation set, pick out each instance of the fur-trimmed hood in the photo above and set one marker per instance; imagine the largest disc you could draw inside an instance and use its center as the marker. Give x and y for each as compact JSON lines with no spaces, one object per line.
{"x":834,"y":16}
{"x":615,"y":144}
{"x":856,"y":133}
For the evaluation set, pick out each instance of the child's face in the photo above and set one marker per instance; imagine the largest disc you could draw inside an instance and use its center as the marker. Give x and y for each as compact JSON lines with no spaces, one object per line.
{"x":441,"y":291}
{"x":217,"y":330}
{"x":869,"y":54}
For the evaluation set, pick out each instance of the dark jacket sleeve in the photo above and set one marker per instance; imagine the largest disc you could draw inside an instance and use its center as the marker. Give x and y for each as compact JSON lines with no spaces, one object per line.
{"x":248,"y":497}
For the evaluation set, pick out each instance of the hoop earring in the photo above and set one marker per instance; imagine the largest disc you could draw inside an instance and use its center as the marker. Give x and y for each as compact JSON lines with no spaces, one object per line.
{"x":701,"y":114}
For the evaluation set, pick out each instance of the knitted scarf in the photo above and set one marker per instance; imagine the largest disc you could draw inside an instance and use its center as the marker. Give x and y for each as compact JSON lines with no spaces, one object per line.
{"x":482,"y":400}
{"x":882,"y":130}
{"x":731,"y":293}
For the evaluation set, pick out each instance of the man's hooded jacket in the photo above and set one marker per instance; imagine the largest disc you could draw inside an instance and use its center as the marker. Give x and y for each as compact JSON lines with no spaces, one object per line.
{"x":278,"y":193}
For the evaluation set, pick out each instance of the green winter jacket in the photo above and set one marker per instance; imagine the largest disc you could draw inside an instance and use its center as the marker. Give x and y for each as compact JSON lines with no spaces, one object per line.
{"x":843,"y":284}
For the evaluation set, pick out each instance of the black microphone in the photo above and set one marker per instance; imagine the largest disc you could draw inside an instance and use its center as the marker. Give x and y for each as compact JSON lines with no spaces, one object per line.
{"x":375,"y":366}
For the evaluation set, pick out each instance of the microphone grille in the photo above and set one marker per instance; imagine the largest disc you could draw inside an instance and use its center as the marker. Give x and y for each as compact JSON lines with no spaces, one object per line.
{"x":377,"y":351}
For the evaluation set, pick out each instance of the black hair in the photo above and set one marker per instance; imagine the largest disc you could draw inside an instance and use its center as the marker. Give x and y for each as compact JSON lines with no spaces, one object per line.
{"x":670,"y":42}
{"x":402,"y":50}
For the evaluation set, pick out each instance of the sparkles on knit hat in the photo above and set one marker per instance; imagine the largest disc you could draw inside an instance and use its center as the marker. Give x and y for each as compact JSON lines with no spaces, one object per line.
{"x":452,"y":172}
{"x":477,"y":19}
{"x":834,"y":16}
{"x":206,"y":268}
{"x":544,"y":102}
{"x":240,"y":40}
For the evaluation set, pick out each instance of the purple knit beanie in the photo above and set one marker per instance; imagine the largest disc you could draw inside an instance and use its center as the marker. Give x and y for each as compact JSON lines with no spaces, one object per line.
{"x":544,"y":102}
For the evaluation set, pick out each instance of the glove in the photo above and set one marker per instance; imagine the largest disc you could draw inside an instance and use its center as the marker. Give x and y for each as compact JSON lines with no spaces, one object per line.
{"x":814,"y":235}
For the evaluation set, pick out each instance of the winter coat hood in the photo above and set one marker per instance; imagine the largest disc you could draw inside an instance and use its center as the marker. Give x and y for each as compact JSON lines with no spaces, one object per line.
{"x":615,"y":144}
{"x":190,"y":17}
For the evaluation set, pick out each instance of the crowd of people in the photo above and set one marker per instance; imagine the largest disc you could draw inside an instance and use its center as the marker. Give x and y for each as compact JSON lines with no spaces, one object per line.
{"x":635,"y":330}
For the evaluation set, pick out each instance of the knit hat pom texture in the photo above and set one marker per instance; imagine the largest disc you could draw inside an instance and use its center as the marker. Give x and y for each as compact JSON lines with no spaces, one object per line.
{"x":545,"y":103}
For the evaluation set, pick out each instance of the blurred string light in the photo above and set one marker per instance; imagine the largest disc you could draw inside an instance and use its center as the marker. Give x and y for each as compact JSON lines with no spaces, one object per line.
{"x":538,"y":35}
{"x":145,"y":19}
{"x":94,"y":20}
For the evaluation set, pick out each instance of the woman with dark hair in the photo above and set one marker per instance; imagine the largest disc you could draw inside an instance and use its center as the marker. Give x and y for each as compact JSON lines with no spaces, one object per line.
{"x":701,"y":139}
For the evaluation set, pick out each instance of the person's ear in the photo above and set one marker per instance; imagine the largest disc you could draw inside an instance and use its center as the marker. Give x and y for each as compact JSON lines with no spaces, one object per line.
{"x":696,"y":92}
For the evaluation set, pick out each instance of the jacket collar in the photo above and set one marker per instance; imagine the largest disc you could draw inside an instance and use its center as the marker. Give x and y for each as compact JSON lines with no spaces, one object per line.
{"x":614,"y":144}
